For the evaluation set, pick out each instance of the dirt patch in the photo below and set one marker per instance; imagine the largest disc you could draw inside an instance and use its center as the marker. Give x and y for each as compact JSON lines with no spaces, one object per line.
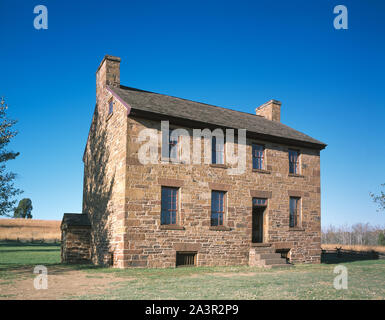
{"x":63,"y":283}
{"x":231,"y":275}
{"x":243,"y":274}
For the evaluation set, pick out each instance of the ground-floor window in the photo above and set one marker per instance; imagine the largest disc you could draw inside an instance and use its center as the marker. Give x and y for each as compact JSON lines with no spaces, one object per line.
{"x":217,"y":208}
{"x":294,"y":212}
{"x":185,"y":259}
{"x":169,"y":205}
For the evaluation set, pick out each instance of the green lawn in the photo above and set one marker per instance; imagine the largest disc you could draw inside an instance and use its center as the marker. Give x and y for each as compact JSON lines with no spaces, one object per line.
{"x":18,"y":254}
{"x":366,"y":279}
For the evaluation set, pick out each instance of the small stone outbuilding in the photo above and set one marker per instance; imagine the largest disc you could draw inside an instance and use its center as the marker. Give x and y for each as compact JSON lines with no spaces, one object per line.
{"x":76,"y":238}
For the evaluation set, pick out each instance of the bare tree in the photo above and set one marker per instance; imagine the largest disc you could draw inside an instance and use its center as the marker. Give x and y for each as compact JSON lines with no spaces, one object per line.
{"x":379,"y":199}
{"x":357,"y":234}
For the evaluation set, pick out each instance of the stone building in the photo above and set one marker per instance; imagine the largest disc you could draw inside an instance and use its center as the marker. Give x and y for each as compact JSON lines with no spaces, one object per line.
{"x":76,"y":236}
{"x":172,"y":211}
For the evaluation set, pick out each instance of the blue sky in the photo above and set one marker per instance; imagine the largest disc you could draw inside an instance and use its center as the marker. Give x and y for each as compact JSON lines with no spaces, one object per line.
{"x":236,"y":54}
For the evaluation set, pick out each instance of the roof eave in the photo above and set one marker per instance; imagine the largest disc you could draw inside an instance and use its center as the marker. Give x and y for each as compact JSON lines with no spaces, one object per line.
{"x":199,"y":124}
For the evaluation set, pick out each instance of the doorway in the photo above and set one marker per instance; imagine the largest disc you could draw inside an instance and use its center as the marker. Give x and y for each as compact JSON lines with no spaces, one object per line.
{"x":257,"y":224}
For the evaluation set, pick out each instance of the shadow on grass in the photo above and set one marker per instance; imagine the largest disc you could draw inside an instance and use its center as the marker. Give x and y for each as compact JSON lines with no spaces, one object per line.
{"x":28,"y":250}
{"x":53,"y":268}
{"x":15,"y":243}
{"x":18,"y":247}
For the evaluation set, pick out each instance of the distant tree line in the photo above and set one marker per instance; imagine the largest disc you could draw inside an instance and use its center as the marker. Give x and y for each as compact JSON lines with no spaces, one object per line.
{"x":357,"y":234}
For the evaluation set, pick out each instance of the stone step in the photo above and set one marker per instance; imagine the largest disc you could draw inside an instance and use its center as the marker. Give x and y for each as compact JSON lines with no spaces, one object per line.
{"x":269,"y":255}
{"x":264,"y":255}
{"x":274,"y":261}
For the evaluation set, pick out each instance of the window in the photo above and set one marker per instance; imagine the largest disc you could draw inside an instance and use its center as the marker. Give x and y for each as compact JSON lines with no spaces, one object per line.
{"x":110,"y":107}
{"x":258,"y":152}
{"x":217,"y":208}
{"x":169,"y":146}
{"x":293,"y":162}
{"x":169,"y":205}
{"x":185,"y":259}
{"x":172,"y":146}
{"x":217,"y":151}
{"x":259,"y":202}
{"x":294,"y":211}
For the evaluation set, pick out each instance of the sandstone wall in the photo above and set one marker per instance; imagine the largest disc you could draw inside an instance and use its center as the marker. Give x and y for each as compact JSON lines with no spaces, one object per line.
{"x":149,"y":244}
{"x":105,"y":170}
{"x":75,"y":245}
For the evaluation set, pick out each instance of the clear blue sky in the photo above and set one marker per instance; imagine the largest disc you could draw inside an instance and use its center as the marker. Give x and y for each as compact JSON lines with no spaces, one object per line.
{"x":228,"y":53}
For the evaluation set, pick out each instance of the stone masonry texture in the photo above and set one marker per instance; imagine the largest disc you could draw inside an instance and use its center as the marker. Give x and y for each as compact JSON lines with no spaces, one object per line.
{"x":75,"y":247}
{"x":122,"y":197}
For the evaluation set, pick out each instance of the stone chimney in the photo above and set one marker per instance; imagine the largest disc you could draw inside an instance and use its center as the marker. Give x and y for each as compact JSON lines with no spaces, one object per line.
{"x":108,"y":74}
{"x":270,"y":110}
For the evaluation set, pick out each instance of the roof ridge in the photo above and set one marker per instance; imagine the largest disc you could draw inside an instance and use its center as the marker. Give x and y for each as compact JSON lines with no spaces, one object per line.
{"x":207,"y":104}
{"x":208,"y":113}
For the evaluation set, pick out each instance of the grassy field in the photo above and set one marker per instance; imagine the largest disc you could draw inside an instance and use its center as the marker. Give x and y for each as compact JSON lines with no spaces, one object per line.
{"x":28,"y":229}
{"x":366,"y":280}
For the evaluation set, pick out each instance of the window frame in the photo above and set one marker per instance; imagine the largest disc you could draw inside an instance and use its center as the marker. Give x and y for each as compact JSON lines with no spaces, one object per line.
{"x":263,"y":157}
{"x":296,"y":162}
{"x":259,"y":202}
{"x":186,"y":256}
{"x":173,"y":143}
{"x":218,"y":212}
{"x":297,"y":216}
{"x":169,"y":210}
{"x":110,"y":107}
{"x":214,"y":153}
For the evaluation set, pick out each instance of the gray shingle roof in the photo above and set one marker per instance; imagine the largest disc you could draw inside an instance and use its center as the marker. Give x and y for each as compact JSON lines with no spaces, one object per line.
{"x":201,"y":112}
{"x":75,"y":219}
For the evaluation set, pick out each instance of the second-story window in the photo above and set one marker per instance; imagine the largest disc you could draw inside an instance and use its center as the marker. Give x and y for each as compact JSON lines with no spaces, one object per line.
{"x":217,"y":208}
{"x":169,"y":205}
{"x":173,"y":146}
{"x":110,"y":107}
{"x":217,"y":151}
{"x":258,"y":155}
{"x":293,"y":161}
{"x":294,"y":212}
